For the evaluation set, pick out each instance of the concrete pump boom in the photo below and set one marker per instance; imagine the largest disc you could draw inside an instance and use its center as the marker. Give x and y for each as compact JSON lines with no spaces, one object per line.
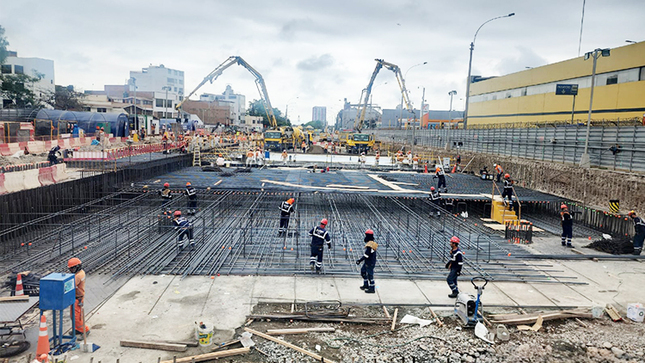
{"x":259,"y":82}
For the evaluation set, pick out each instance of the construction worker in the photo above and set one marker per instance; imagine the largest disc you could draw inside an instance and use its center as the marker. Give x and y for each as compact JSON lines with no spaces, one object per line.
{"x":250,"y":156}
{"x":285,"y":156}
{"x":639,"y":232}
{"x":304,"y":147}
{"x":377,"y":157}
{"x":415,"y":162}
{"x":499,"y":170}
{"x":319,"y":236}
{"x":567,"y":225}
{"x":192,"y":198}
{"x":185,"y":229}
{"x":53,"y":155}
{"x":507,"y":194}
{"x":435,"y":198}
{"x":361,"y":160}
{"x":286,"y":208}
{"x":439,"y":173}
{"x":220,"y":160}
{"x":75,"y":267}
{"x":454,"y":264}
{"x":369,"y":256}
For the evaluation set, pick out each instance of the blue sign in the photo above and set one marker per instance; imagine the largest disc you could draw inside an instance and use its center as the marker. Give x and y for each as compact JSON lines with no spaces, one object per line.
{"x":566,"y":89}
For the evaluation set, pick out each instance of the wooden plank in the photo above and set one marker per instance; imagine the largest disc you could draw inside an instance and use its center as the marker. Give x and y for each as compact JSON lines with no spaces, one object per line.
{"x":21,"y":298}
{"x":396,"y":312}
{"x":288,"y":345}
{"x":552,"y":316}
{"x":227,"y":344}
{"x":153,"y":345}
{"x":187,"y":343}
{"x":209,"y":356}
{"x":387,"y":313}
{"x":299,"y":331}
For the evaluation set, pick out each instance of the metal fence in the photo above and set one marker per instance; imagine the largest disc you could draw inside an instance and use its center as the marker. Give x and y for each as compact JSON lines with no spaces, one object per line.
{"x":617,"y":147}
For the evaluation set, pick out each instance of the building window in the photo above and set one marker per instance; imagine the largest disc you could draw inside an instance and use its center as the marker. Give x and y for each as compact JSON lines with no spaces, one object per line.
{"x":612,"y":79}
{"x":181,"y":91}
{"x":5,"y":68}
{"x":159,"y":102}
{"x":175,"y":89}
{"x":524,"y":91}
{"x":169,"y":71}
{"x":101,"y":109}
{"x":171,"y":80}
{"x":18,"y":69}
{"x":169,"y":103}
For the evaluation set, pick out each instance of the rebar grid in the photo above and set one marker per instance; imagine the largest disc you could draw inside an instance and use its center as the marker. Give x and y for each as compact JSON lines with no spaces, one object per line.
{"x":236,"y":233}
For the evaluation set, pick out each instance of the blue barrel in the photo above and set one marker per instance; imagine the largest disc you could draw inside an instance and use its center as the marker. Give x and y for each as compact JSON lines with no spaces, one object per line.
{"x":267,"y":155}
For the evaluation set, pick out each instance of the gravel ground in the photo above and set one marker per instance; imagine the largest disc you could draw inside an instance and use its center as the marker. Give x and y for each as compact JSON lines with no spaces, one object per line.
{"x":601,"y":340}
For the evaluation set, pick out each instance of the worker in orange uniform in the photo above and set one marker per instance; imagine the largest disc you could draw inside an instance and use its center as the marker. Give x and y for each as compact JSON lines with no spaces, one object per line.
{"x":499,"y":170}
{"x":75,"y":267}
{"x":377,"y":157}
{"x":439,"y":173}
{"x":415,"y":162}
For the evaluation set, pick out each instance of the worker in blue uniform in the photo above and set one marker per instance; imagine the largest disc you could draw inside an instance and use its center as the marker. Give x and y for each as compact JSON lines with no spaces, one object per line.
{"x":319,"y":236}
{"x":454,"y":264}
{"x":369,"y":258}
{"x":567,"y":225}
{"x":639,"y":232}
{"x":507,"y":193}
{"x":435,"y":198}
{"x":185,"y":229}
{"x":192,"y":198}
{"x":286,"y":208}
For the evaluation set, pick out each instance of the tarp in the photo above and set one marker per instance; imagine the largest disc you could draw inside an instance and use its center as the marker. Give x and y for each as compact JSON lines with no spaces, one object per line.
{"x":115,"y":123}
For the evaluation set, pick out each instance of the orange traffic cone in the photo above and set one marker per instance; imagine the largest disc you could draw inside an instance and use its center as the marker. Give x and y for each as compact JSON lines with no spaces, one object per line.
{"x":454,"y":169}
{"x":19,"y":290}
{"x":43,"y":340}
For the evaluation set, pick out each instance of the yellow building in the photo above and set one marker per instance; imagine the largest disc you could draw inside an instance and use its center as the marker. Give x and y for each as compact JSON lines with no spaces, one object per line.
{"x":529,"y":96}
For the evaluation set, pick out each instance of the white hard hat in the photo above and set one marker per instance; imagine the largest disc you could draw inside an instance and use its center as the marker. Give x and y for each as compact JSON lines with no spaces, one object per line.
{"x":494,"y":164}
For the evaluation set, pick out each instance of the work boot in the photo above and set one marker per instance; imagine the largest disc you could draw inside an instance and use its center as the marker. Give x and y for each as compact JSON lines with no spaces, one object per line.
{"x":637,"y":251}
{"x":80,"y":333}
{"x":311,"y":267}
{"x":564,"y":243}
{"x":569,"y":245}
{"x":318,"y":270}
{"x":192,"y":243}
{"x":365,"y":286}
{"x":180,"y":245}
{"x":454,"y":294}
{"x":370,"y":290}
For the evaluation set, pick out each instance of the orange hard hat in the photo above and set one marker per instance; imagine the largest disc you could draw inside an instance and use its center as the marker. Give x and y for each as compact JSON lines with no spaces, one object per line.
{"x":177,"y":213}
{"x":74,"y":261}
{"x":166,"y":185}
{"x":369,"y":231}
{"x":454,"y":239}
{"x":188,"y":184}
{"x":631,"y":213}
{"x":324,"y":221}
{"x":563,"y":206}
{"x":438,"y":169}
{"x":290,"y":200}
{"x":506,"y":176}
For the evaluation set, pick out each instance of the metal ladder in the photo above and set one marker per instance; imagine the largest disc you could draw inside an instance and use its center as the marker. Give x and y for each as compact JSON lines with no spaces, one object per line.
{"x":197,"y":155}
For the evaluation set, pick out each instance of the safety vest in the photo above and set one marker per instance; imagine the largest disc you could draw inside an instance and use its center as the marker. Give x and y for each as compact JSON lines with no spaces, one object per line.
{"x":191,"y":192}
{"x":435,"y":196}
{"x":286,"y":207}
{"x":499,"y":169}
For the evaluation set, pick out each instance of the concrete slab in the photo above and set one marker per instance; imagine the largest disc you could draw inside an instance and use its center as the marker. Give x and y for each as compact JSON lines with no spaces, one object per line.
{"x":349,"y":292}
{"x":310,"y":288}
{"x":281,"y":289}
{"x":400,"y":291}
{"x":523,"y":294}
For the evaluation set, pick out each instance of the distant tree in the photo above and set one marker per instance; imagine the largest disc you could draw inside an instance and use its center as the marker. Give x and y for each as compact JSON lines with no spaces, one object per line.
{"x":315,"y":124}
{"x":3,"y":46}
{"x":16,"y":94}
{"x":65,"y":98}
{"x":256,"y":108}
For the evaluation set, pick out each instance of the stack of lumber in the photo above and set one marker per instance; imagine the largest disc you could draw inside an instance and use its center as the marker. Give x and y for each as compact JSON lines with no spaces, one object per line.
{"x":516,"y":319}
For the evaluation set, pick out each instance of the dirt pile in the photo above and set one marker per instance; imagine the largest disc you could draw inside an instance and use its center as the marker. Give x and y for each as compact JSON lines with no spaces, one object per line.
{"x":615,"y":246}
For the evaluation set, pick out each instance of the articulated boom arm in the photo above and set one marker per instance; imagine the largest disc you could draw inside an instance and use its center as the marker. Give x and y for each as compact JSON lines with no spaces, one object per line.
{"x":365,"y":95}
{"x":259,"y":82}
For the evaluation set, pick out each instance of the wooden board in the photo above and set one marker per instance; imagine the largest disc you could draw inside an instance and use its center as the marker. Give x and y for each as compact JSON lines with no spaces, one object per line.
{"x":22,"y":298}
{"x":299,"y":331}
{"x":209,"y":356}
{"x":288,"y":345}
{"x":153,"y":345}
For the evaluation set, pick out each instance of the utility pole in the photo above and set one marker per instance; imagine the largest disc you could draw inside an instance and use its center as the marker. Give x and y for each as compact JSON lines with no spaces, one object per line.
{"x":584,"y":159}
{"x":451,"y":93}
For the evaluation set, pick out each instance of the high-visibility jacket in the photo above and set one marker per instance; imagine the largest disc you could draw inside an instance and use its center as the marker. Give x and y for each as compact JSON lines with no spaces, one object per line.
{"x":639,"y":225}
{"x":565,"y":216}
{"x":191,"y":192}
{"x":456,"y":260}
{"x":319,"y":236}
{"x":499,"y":169}
{"x":286,"y":208}
{"x":369,"y":255}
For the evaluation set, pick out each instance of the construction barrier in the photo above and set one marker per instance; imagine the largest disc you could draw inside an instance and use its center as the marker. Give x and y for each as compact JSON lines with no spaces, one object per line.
{"x":36,"y":147}
{"x":3,"y":189}
{"x":14,"y":181}
{"x":61,"y":173}
{"x":46,"y":175}
{"x":31,"y":179}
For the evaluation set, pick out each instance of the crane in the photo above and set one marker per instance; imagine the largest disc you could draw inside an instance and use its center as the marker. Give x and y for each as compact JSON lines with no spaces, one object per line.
{"x":358,"y":141}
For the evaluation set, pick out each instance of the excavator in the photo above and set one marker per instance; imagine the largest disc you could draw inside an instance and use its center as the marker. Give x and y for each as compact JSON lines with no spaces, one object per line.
{"x":275,"y":138}
{"x":358,"y":141}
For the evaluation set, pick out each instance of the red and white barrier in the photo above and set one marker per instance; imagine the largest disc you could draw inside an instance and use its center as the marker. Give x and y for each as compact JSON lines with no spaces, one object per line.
{"x":3,"y":189}
{"x":31,"y":178}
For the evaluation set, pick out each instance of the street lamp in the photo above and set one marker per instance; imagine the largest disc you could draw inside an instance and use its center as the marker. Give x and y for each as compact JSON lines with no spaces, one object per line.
{"x":405,"y":76}
{"x":451,"y":94}
{"x":166,"y":88}
{"x":470,"y":64}
{"x":286,"y":112}
{"x":584,"y":159}
{"x":134,"y":84}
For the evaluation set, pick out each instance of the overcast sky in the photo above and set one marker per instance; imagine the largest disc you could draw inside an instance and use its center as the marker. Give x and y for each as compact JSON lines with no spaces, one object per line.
{"x":313,"y":53}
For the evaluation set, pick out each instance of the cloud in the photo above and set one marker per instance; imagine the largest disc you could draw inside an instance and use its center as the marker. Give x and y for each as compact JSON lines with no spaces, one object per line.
{"x":316,"y":63}
{"x":520,"y":61}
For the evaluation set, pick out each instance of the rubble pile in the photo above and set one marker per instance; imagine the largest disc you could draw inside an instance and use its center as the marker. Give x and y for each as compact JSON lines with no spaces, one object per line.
{"x":615,"y":246}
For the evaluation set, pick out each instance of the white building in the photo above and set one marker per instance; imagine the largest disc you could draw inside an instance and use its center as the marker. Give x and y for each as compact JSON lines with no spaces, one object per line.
{"x":166,"y":85}
{"x":102,"y":103}
{"x":35,"y":67}
{"x":253,"y":123}
{"x":319,"y":113}
{"x":238,"y":103}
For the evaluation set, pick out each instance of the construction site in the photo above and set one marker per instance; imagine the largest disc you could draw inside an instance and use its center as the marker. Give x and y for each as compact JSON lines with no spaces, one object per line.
{"x":243,"y":292}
